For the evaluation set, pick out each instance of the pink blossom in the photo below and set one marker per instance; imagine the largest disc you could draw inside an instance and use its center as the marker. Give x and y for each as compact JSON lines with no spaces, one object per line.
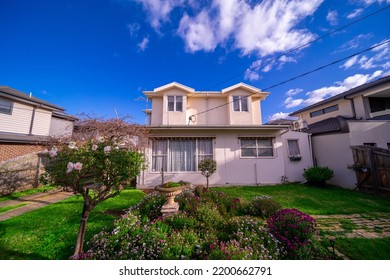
{"x":94,"y":147}
{"x":70,"y":167}
{"x":77,"y":166}
{"x":107,"y":149}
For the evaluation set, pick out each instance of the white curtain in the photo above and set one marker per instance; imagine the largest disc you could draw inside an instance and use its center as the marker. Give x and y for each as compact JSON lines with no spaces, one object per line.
{"x":159,"y":155}
{"x":205,"y":149}
{"x":182,"y":153}
{"x":293,"y":148}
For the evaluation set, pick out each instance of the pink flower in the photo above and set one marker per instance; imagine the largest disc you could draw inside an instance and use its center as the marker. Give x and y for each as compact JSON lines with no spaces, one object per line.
{"x":70,"y":167}
{"x":107,"y":149}
{"x":94,"y":147}
{"x":77,"y":166}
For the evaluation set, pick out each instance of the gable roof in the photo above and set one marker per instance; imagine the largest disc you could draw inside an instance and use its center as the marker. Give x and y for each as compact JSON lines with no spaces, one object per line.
{"x":16,"y":95}
{"x":348,"y":93}
{"x":173,"y":85}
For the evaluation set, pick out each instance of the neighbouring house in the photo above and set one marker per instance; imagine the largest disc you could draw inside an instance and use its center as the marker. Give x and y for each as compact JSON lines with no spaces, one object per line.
{"x":26,"y":122}
{"x":359,"y":116}
{"x":188,"y":126}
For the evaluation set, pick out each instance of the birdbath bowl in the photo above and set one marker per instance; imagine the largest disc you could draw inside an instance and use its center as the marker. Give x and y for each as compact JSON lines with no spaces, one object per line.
{"x":170,"y":206}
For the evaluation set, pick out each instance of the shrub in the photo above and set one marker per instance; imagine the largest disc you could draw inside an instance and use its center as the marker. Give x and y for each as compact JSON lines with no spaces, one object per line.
{"x":207,"y":167}
{"x":294,"y":229}
{"x":183,"y":245}
{"x":208,"y":216}
{"x":262,"y":206}
{"x":318,"y":175}
{"x":180,"y":221}
{"x":150,"y":206}
{"x":226,"y":204}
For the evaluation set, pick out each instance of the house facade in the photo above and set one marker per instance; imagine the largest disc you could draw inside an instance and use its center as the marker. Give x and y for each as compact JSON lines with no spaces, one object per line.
{"x":360,"y":116}
{"x":26,"y":121}
{"x":188,"y":126}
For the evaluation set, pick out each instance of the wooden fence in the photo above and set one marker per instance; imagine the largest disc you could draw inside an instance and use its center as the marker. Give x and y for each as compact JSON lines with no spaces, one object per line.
{"x":372,"y":166}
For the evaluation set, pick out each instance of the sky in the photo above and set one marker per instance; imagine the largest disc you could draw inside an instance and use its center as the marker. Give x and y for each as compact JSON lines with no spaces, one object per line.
{"x":96,"y":57}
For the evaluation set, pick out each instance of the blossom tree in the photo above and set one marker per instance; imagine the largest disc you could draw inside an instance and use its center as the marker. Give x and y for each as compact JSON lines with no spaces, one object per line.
{"x":97,"y":162}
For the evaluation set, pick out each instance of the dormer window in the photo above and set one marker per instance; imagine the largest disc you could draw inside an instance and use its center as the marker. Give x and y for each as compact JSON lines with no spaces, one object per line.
{"x":175,"y":103}
{"x":240,"y":103}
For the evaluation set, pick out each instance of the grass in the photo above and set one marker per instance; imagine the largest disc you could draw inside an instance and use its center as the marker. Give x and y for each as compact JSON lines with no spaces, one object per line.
{"x":364,"y":248}
{"x":8,"y":208}
{"x":50,"y":232}
{"x":315,"y":200}
{"x":16,"y":195}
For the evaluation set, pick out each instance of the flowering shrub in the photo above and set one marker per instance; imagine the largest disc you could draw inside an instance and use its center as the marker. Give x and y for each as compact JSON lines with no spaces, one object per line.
{"x":150,"y":206}
{"x":203,"y":233}
{"x":262,"y":206}
{"x":293,"y":228}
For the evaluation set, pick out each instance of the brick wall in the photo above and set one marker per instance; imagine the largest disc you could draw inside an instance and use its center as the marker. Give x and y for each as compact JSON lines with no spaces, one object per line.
{"x":11,"y":150}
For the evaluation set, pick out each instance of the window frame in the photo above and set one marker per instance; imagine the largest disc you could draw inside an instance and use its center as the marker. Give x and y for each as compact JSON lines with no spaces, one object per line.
{"x":167,"y":155}
{"x":175,"y":103}
{"x":324,"y":111}
{"x":238,"y":100}
{"x":258,"y":147}
{"x":11,"y":107}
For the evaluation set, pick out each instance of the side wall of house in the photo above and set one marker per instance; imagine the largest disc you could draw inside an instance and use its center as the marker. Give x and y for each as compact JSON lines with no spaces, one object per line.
{"x":60,"y":127}
{"x":334,"y":151}
{"x":376,"y":132}
{"x":19,"y":121}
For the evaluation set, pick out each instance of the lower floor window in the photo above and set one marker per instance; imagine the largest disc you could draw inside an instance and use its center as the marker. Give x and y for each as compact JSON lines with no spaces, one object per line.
{"x":257,"y":147}
{"x":180,"y":154}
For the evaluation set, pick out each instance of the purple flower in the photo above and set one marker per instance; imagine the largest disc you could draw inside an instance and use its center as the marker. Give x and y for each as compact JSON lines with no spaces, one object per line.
{"x":107,"y":149}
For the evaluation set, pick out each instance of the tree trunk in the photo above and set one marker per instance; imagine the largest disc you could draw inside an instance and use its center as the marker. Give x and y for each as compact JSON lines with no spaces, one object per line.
{"x":207,"y":180}
{"x":83,"y":226}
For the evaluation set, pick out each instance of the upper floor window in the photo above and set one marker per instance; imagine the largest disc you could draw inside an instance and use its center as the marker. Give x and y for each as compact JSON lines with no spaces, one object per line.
{"x":257,"y":147}
{"x":378,"y":104}
{"x":324,"y":111}
{"x":240,"y":103}
{"x":175,"y":103}
{"x":5,"y":106}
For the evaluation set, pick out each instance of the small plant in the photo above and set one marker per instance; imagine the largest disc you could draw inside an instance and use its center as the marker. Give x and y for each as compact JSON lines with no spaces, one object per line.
{"x":263,"y":206}
{"x":172,"y":184}
{"x":318,"y":175}
{"x":150,"y":205}
{"x":294,"y":229}
{"x":207,"y":167}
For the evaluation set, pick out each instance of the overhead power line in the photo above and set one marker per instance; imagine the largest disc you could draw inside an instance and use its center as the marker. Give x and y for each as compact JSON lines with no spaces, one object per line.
{"x":270,"y":60}
{"x":299,"y":76}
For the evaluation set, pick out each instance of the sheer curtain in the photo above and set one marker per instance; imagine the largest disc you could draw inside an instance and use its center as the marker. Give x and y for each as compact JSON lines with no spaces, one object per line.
{"x":159,"y":155}
{"x":182,"y":154}
{"x":293,"y":148}
{"x":205,"y":149}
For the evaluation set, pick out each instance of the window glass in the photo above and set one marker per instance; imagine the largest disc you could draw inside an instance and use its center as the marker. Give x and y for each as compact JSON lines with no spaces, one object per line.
{"x":244,"y":104}
{"x":257,"y":147}
{"x":179,"y":103}
{"x":236,"y":103}
{"x":171,"y":103}
{"x":293,"y":148}
{"x":5,"y":106}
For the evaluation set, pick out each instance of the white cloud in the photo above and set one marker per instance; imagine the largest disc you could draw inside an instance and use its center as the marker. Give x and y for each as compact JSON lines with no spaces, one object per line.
{"x":377,"y":58}
{"x":329,"y":91}
{"x":279,"y":115}
{"x":355,"y":13}
{"x":262,"y":28}
{"x":143,"y":44}
{"x":354,"y":43}
{"x":294,"y":91}
{"x":158,"y":10}
{"x":133,"y":29}
{"x":251,"y":75}
{"x":333,"y":18}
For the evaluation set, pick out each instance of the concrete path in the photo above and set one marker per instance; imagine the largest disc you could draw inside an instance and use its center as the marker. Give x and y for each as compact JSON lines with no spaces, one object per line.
{"x":32,"y":202}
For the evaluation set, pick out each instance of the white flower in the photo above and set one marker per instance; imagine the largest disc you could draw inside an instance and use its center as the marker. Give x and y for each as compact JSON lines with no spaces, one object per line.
{"x":100,"y":139}
{"x":77,"y":166}
{"x":107,"y":149}
{"x":94,"y":147}
{"x":70,"y":167}
{"x":53,"y":152}
{"x":72,"y":145}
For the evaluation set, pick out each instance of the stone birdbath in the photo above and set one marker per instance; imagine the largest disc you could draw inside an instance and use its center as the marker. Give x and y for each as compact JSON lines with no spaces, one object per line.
{"x":170,"y":190}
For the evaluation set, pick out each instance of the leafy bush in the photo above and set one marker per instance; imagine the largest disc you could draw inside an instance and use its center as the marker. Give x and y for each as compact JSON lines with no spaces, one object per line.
{"x":180,"y":221}
{"x":150,"y":206}
{"x":318,"y":175}
{"x":262,"y":206}
{"x":227,"y":205}
{"x":294,"y":229}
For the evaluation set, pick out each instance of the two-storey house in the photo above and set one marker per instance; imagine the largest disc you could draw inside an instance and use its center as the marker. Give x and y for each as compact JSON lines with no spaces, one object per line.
{"x":26,"y":121}
{"x":359,"y":116}
{"x":188,"y":126}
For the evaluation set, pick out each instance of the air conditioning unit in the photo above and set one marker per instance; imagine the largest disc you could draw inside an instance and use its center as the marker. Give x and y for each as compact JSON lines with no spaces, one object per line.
{"x":299,"y":124}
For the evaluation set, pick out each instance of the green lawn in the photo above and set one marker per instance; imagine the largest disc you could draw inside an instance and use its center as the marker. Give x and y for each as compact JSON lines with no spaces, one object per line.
{"x":50,"y":232}
{"x":16,"y":195}
{"x":316,"y":200}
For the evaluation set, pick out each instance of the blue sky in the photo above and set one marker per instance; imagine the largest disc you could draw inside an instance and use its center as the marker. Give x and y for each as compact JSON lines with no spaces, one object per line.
{"x":97,"y":56}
